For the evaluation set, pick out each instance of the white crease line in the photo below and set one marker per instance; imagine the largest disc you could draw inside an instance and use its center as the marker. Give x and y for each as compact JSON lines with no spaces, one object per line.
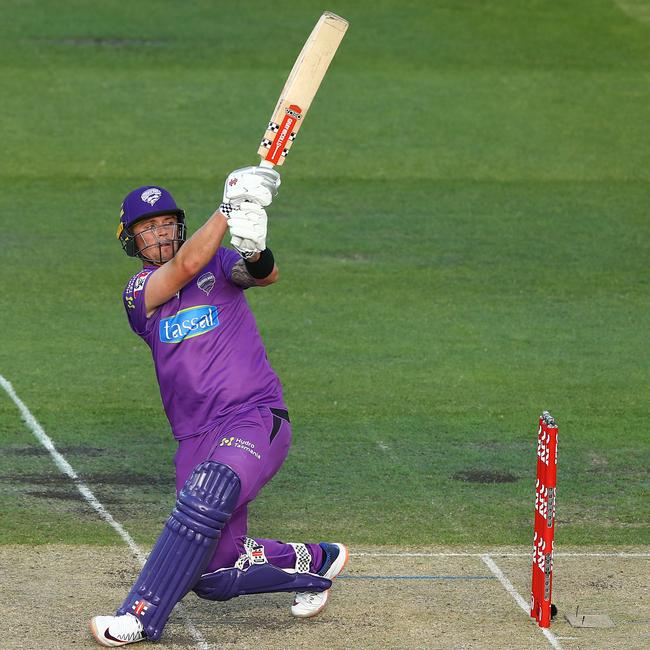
{"x":87,"y":494}
{"x":408,"y":554}
{"x":621,"y":554}
{"x":507,"y":585}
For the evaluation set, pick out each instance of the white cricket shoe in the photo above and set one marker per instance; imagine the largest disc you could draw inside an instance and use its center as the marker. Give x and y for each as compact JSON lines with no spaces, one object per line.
{"x":115,"y":631}
{"x":309,"y":603}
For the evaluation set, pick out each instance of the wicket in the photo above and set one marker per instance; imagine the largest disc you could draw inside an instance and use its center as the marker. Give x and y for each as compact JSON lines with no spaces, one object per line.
{"x":545,"y":493}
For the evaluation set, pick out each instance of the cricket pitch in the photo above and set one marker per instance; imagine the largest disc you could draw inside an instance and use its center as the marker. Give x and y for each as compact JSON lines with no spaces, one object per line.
{"x":388,"y":598}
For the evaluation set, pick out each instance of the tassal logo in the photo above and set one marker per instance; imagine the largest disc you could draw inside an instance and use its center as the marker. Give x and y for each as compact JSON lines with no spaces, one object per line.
{"x":188,"y":323}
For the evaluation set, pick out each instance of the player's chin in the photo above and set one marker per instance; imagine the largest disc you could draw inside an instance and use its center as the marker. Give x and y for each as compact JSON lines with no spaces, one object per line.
{"x":160,"y":253}
{"x":166,"y":255}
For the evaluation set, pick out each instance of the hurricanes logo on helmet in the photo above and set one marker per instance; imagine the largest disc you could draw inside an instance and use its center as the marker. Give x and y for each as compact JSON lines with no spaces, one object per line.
{"x":151,"y":195}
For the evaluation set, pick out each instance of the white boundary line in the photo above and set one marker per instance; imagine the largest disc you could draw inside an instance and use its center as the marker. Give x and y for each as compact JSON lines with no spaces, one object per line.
{"x":507,"y":585}
{"x":90,"y":498}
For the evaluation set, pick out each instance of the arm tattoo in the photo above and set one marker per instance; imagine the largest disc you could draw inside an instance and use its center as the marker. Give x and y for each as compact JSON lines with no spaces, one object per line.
{"x":241,"y":277}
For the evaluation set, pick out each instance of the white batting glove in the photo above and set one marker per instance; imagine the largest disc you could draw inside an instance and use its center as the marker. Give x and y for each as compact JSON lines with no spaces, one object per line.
{"x":247,"y":225}
{"x":253,"y":184}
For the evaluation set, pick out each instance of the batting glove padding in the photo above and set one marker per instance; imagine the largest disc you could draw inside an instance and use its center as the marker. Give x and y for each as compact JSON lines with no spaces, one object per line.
{"x":254,"y":184}
{"x":247,"y":226}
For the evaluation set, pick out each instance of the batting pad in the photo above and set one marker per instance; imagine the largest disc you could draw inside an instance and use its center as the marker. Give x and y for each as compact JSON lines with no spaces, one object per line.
{"x":185,"y":545}
{"x":252,"y":574}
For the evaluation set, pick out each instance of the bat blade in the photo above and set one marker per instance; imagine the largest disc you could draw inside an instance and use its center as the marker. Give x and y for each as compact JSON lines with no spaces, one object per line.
{"x":300,"y":88}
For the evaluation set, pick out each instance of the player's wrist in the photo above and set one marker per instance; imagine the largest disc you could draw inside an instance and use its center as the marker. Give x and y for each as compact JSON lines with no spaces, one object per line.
{"x":217,"y":224}
{"x":262,"y":267}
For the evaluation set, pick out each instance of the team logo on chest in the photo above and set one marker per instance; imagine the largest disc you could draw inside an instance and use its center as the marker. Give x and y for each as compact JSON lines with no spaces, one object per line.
{"x":138,"y":285}
{"x":188,"y":323}
{"x":206,"y":282}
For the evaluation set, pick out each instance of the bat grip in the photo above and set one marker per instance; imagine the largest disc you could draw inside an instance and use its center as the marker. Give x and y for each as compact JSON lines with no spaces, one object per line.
{"x":266,"y":163}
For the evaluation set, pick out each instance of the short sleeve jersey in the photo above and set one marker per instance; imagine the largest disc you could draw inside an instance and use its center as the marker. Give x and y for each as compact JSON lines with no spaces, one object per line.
{"x":207,"y":351}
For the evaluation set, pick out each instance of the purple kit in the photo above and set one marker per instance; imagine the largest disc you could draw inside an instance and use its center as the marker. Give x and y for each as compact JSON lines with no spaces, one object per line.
{"x":209,"y":356}
{"x":224,"y":403}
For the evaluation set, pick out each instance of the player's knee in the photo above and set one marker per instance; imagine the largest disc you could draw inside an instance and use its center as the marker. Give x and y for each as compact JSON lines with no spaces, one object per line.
{"x":208,"y":498}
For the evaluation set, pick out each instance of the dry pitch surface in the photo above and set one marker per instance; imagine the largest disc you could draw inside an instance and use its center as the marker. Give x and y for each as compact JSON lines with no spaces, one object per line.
{"x":385,"y":601}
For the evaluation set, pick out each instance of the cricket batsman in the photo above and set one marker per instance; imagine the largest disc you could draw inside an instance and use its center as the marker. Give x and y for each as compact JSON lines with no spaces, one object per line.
{"x":224,"y":404}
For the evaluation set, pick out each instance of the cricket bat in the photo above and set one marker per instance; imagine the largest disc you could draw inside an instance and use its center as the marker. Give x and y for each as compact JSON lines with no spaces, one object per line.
{"x":301,"y":86}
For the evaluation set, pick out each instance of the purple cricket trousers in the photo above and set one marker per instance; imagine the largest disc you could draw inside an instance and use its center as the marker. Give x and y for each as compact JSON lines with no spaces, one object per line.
{"x":254,"y":443}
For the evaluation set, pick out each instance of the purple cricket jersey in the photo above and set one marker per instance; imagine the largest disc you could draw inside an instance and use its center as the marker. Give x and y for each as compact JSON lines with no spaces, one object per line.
{"x":209,"y":356}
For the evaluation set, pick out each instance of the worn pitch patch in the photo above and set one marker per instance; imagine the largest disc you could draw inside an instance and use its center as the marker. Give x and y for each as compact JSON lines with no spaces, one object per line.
{"x":589,"y":620}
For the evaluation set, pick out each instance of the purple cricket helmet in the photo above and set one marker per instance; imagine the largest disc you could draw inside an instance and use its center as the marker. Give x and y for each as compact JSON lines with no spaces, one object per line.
{"x":143,"y":203}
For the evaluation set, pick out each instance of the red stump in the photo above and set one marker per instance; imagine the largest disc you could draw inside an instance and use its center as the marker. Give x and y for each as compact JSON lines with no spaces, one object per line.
{"x":545,"y":493}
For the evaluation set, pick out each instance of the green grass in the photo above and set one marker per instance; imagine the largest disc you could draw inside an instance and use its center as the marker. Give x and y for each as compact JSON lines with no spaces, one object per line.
{"x":462,"y":234}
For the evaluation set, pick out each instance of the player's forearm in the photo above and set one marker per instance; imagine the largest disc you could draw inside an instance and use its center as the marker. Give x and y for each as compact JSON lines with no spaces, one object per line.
{"x":201,"y":247}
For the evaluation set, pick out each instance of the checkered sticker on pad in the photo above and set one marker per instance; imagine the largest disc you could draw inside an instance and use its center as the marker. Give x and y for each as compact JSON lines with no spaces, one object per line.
{"x":266,"y":143}
{"x":303,"y":558}
{"x":273,"y":126}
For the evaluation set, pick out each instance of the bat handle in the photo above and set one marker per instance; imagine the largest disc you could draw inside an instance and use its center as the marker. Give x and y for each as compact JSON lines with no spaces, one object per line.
{"x":266,"y":163}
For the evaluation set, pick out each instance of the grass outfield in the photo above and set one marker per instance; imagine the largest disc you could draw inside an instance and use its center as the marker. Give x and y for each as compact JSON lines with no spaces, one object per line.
{"x":463,"y":236}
